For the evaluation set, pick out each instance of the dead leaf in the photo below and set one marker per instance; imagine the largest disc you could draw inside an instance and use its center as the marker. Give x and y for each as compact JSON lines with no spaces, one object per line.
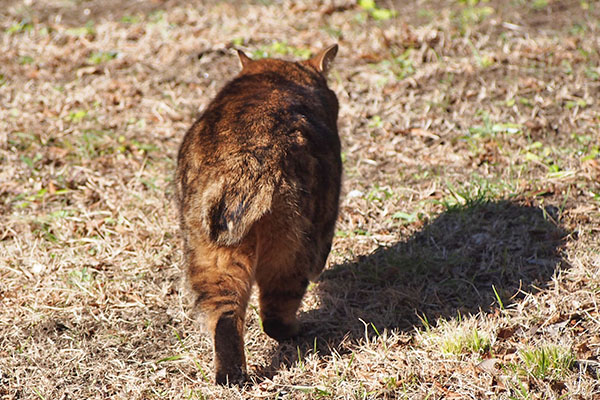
{"x":423,"y":133}
{"x":371,"y":57}
{"x":505,"y":333}
{"x":558,"y":386}
{"x":51,"y":187}
{"x":449,"y":394}
{"x":489,"y":365}
{"x":57,"y":153}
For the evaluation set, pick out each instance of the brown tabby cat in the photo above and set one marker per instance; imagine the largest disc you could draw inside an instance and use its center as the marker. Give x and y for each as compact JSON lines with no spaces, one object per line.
{"x":258,"y":184}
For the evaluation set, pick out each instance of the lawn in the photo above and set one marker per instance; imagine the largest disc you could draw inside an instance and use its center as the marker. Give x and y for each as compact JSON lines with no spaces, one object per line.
{"x":466,"y":259}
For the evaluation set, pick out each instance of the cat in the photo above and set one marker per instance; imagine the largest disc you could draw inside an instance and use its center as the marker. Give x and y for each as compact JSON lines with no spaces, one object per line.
{"x":258,"y":183}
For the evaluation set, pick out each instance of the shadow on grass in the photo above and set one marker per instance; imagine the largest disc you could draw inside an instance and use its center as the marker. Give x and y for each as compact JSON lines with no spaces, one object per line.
{"x":448,"y":268}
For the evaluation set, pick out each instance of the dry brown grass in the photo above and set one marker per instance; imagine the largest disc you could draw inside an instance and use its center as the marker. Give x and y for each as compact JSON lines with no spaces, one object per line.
{"x":467,"y":258}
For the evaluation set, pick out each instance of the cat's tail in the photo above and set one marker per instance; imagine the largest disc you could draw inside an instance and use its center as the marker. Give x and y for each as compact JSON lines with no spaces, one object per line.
{"x":230,"y":208}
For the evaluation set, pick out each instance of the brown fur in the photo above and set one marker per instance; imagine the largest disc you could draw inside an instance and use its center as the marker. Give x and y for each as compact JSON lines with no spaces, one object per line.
{"x":258,"y":183}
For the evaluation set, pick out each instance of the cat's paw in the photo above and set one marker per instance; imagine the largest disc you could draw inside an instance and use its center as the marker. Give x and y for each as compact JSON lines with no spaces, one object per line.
{"x":279,"y":330}
{"x":231,"y":377}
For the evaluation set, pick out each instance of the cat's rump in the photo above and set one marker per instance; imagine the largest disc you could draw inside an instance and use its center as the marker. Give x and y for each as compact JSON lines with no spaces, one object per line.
{"x":229,"y":208}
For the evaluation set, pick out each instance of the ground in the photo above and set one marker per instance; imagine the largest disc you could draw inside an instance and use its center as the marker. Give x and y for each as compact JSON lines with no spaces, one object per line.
{"x":466,"y":260}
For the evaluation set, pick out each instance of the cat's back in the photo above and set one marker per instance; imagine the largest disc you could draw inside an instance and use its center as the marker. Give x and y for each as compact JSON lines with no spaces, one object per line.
{"x":271,"y":108}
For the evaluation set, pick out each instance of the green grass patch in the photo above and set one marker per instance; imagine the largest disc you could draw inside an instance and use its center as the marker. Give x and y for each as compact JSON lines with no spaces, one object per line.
{"x":26,"y":59}
{"x":539,"y":4}
{"x":570,"y":104}
{"x":376,"y":12}
{"x":30,"y":162}
{"x":281,"y":48}
{"x":470,"y":14}
{"x":379,"y":194}
{"x":20,"y":27}
{"x":460,"y":342}
{"x":87,"y":30}
{"x":101,"y":57}
{"x":315,"y":392}
{"x":93,"y":143}
{"x":548,"y":362}
{"x":400,"y":66}
{"x":406,"y":218}
{"x":490,"y":128}
{"x":473,"y":14}
{"x":83,"y":275}
{"x":470,"y":195}
{"x":131,"y":19}
{"x":76,"y":116}
{"x":455,"y":336}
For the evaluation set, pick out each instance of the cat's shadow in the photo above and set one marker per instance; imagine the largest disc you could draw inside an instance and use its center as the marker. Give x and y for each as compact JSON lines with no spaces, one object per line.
{"x":467,"y":259}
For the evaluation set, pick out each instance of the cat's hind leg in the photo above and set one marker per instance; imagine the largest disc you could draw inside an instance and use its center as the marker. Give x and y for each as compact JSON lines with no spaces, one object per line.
{"x":280,"y":297}
{"x":221,"y":277}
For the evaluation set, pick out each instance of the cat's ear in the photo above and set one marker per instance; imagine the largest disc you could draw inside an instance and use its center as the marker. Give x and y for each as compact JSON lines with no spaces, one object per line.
{"x":321,"y":61}
{"x":244,"y":59}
